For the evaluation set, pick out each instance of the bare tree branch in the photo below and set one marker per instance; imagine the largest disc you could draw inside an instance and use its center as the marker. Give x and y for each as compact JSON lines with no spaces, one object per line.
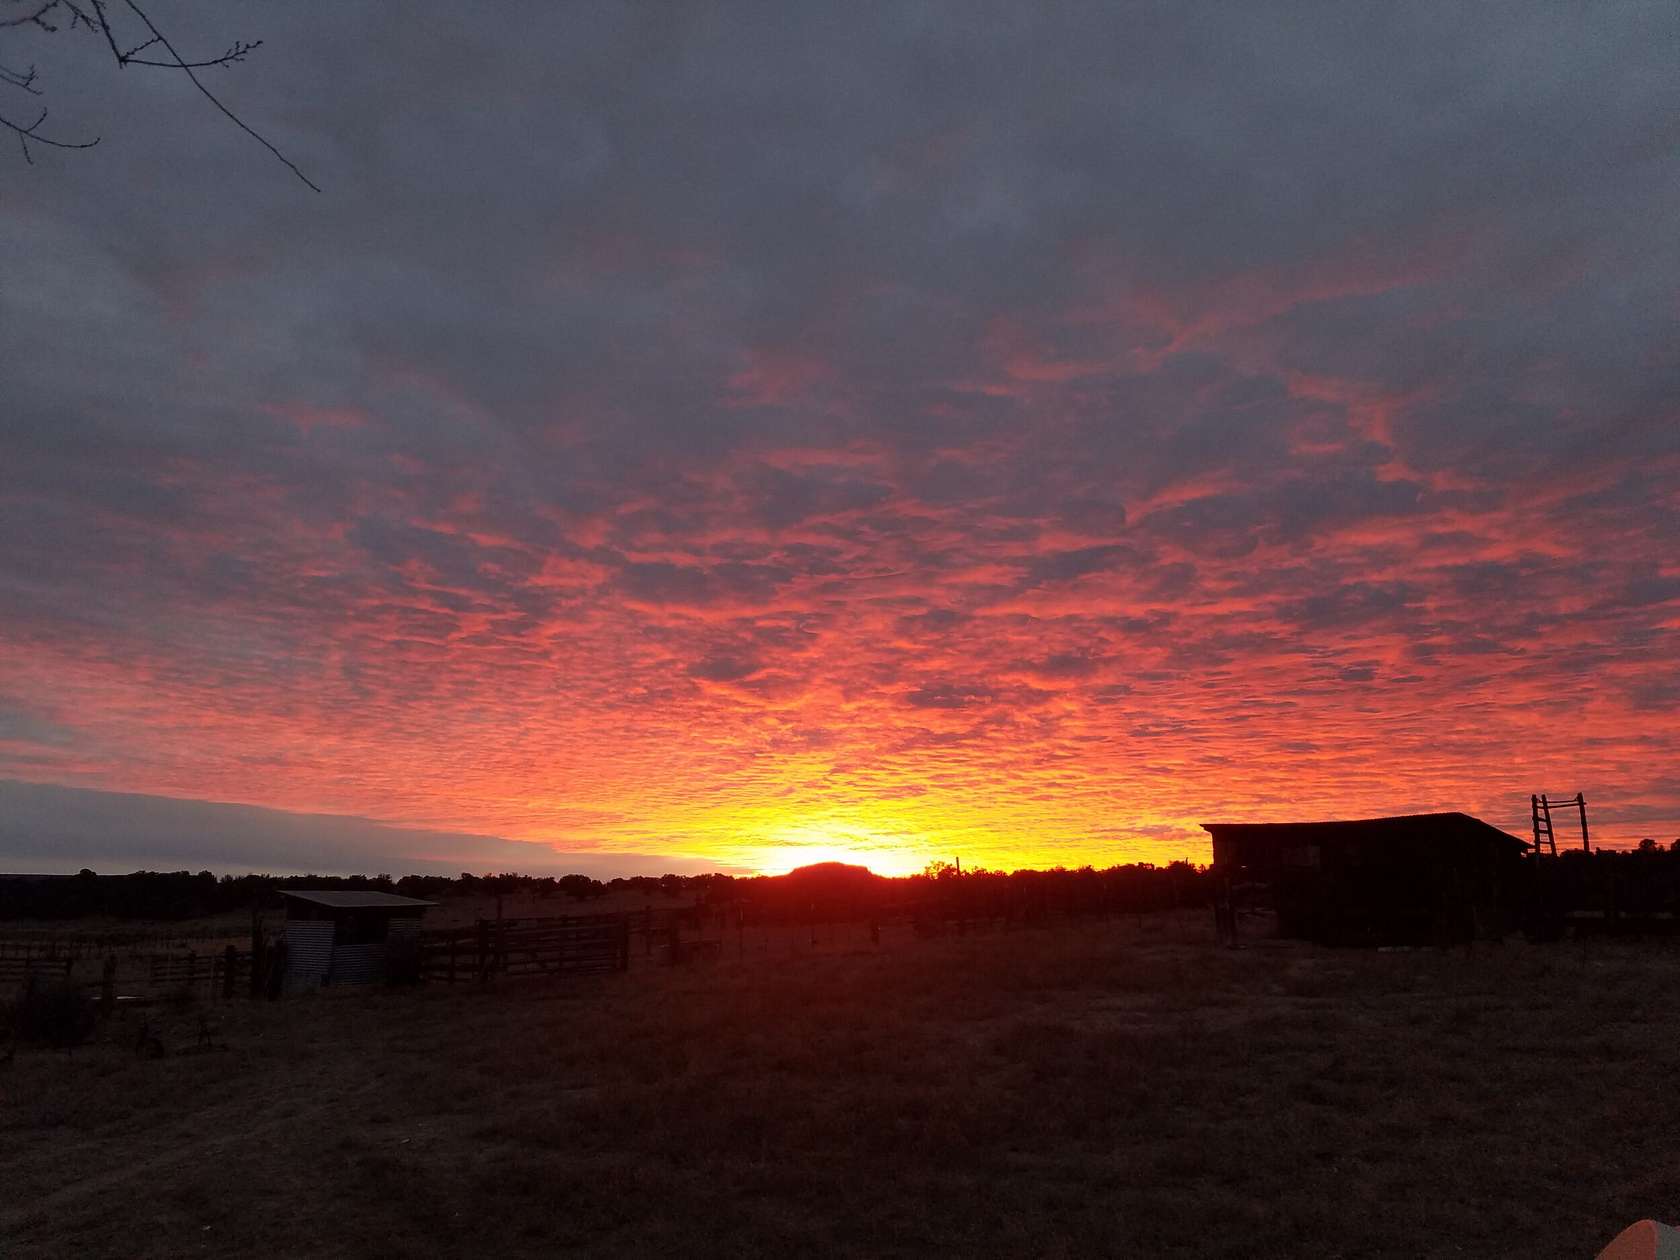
{"x":181,"y":64}
{"x":93,"y":16}
{"x":32,"y":132}
{"x":78,"y":16}
{"x":24,"y":79}
{"x":128,"y":56}
{"x":33,"y":19}
{"x":236,"y":53}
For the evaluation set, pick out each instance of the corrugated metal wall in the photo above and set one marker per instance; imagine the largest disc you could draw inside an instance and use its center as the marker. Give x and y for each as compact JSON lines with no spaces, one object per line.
{"x":309,"y":952}
{"x":357,"y":964}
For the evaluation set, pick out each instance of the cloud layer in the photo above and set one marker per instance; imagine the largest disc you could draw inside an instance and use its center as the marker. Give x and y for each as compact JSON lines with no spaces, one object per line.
{"x":45,"y":828}
{"x":753,"y":431}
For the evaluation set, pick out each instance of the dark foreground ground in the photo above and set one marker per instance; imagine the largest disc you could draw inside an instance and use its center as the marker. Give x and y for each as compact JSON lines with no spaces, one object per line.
{"x":1065,"y":1092}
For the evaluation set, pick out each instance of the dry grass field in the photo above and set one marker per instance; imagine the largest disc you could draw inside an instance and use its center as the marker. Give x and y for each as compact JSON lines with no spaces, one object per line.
{"x":1074,"y":1091}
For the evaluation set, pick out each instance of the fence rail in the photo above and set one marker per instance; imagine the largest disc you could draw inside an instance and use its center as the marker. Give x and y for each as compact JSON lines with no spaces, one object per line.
{"x":146,"y":976}
{"x":571,"y":945}
{"x":17,"y":971}
{"x":18,"y":942}
{"x":221,"y":973}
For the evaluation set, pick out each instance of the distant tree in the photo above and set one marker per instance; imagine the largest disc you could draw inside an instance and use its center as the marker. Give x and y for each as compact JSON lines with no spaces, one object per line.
{"x":579,"y":887}
{"x":132,"y":38}
{"x":714,"y":888}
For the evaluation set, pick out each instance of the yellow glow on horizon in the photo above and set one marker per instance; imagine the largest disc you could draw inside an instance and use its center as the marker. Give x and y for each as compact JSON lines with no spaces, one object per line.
{"x":899,"y":835}
{"x":788,"y":848}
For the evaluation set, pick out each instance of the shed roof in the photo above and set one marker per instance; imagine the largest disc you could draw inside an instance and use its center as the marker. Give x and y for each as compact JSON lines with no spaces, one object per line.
{"x":355,"y":899}
{"x":1399,"y":827}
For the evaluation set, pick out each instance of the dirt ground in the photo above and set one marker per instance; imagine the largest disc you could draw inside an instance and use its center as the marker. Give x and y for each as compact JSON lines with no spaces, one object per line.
{"x":1088,"y":1089}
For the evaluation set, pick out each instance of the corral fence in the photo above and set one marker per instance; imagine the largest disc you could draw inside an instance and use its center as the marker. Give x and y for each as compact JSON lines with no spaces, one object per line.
{"x":563,"y":945}
{"x":19,"y":970}
{"x":212,"y":975}
{"x":49,"y":943}
{"x":128,"y":976}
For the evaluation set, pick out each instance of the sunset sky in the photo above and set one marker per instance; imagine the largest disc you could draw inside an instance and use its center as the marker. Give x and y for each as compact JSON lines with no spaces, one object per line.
{"x":705,"y":436}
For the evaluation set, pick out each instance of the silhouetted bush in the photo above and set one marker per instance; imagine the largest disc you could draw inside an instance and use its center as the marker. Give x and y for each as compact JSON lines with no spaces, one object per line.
{"x":60,"y":1015}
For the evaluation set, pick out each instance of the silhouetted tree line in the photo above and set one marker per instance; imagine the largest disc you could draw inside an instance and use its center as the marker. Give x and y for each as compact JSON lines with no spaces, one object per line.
{"x":828,"y":891}
{"x":157,"y":894}
{"x":835,"y":891}
{"x":1028,"y":896}
{"x":1640,"y":881}
{"x":185,"y":895}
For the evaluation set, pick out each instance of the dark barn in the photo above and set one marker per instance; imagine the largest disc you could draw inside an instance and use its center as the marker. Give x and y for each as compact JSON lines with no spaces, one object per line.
{"x":350,"y":936}
{"x":1416,"y":879}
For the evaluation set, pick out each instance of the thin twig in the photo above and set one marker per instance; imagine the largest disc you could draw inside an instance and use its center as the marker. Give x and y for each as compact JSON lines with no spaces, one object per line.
{"x":104,"y":28}
{"x":31,"y":132}
{"x":180,"y":63}
{"x":236,"y":53}
{"x":127,"y":56}
{"x":24,"y":79}
{"x":34,"y":18}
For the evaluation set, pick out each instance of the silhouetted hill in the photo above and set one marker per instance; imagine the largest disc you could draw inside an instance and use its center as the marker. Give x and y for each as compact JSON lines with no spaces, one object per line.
{"x":831,"y":875}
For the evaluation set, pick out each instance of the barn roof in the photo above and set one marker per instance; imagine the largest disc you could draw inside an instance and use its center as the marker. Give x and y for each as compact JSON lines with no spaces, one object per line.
{"x":355,"y":899}
{"x":1400,"y":827}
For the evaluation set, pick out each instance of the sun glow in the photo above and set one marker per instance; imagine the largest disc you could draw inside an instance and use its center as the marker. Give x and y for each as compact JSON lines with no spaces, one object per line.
{"x":804,"y":845}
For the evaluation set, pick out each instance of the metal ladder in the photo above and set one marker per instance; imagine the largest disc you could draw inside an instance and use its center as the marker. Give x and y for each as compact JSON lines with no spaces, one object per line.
{"x":1544,"y":839}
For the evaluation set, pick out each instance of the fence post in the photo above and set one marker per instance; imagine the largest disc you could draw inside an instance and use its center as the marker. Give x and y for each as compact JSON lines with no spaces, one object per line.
{"x":108,"y":987}
{"x":259,"y":957}
{"x":274,"y":982}
{"x":483,"y":950}
{"x":230,"y":969}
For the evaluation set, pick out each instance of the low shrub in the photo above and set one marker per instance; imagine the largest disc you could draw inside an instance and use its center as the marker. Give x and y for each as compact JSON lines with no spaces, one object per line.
{"x":61,"y":1015}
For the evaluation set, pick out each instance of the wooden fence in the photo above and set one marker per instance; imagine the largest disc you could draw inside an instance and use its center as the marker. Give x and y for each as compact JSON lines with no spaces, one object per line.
{"x":213,"y":975}
{"x":52,"y":943}
{"x":18,"y":971}
{"x":566,"y":945}
{"x":30,"y":947}
{"x":146,"y":976}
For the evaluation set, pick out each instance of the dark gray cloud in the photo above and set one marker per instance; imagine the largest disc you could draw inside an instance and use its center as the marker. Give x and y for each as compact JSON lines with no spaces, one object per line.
{"x":57,"y":829}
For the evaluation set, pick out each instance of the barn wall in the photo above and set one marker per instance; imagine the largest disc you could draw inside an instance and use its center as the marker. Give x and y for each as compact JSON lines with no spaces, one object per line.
{"x":309,"y":951}
{"x":357,"y":964}
{"x":1382,"y":884}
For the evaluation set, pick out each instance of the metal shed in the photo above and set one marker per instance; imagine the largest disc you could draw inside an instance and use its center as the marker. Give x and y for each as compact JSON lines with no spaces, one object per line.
{"x":1411,"y":879}
{"x":338,"y":937}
